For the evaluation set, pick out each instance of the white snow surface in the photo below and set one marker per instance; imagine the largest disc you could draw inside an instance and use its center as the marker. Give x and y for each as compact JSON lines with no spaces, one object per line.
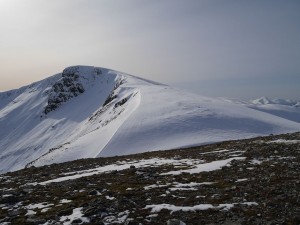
{"x":143,"y":116}
{"x":284,"y":108}
{"x":282,"y":141}
{"x":173,"y":208}
{"x":77,"y":214}
{"x":39,"y":205}
{"x":205,"y":167}
{"x":30,"y":212}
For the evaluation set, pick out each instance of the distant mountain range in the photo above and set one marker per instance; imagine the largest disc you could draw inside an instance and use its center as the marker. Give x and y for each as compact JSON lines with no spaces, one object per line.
{"x":277,"y":101}
{"x":88,"y":112}
{"x":285,"y":108}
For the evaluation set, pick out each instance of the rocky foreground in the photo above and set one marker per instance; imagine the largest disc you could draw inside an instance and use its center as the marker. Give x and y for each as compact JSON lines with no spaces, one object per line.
{"x":255,"y":181}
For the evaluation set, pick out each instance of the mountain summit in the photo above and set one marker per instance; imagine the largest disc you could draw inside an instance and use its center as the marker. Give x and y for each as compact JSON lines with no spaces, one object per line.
{"x":88,"y":112}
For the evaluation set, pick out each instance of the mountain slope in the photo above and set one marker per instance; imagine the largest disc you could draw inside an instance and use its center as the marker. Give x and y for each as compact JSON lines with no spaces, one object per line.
{"x":287,"y":109}
{"x":91,"y":112}
{"x":284,"y":108}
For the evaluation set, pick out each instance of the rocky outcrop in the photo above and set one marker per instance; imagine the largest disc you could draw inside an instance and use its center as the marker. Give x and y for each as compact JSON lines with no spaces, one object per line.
{"x":66,"y":88}
{"x":69,"y":86}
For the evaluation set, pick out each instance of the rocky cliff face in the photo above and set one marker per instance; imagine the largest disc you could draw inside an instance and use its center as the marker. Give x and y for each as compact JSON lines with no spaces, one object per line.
{"x":254,"y":181}
{"x":69,"y":86}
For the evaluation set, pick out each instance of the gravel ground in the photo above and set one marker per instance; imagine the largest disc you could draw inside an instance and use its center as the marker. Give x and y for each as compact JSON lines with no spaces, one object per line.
{"x":254,"y":181}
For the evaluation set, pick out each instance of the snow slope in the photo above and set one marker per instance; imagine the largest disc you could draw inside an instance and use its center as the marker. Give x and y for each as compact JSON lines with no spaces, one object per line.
{"x":285,"y":108}
{"x":93,"y":112}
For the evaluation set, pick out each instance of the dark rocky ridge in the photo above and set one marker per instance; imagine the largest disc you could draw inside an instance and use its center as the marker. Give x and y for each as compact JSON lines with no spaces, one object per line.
{"x":269,"y":176}
{"x":69,"y":86}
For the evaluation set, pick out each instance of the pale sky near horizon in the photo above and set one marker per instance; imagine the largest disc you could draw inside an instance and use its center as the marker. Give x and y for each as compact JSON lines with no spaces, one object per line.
{"x":231,"y":48}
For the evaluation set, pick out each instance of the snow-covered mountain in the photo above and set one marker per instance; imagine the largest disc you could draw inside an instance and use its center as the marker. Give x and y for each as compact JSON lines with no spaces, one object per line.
{"x":276,"y":101}
{"x":284,"y":108}
{"x":92,"y":112}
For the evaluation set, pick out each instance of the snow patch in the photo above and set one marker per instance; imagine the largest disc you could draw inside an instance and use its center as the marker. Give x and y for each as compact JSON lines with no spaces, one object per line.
{"x":205,"y":167}
{"x":64,"y":201}
{"x":282,"y":141}
{"x":77,"y":214}
{"x":173,"y":208}
{"x":39,"y":205}
{"x":30,"y":212}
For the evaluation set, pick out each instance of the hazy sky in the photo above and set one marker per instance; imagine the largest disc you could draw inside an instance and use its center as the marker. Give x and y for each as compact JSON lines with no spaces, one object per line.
{"x":241,"y":48}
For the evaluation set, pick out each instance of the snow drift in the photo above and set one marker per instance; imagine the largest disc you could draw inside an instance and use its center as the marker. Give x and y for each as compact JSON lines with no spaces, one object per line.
{"x":88,"y":112}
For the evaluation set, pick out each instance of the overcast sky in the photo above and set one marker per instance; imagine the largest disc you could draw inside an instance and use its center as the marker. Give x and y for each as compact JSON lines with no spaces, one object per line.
{"x":242,"y":49}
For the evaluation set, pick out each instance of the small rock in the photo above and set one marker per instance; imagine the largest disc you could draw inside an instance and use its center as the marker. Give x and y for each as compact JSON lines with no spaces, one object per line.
{"x":77,"y":221}
{"x":93,"y":192}
{"x":27,"y":190}
{"x":36,"y":221}
{"x":132,"y":167}
{"x":6,"y":219}
{"x":175,"y":222}
{"x":9,"y":199}
{"x":65,"y":212}
{"x":131,"y":223}
{"x":14,"y":213}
